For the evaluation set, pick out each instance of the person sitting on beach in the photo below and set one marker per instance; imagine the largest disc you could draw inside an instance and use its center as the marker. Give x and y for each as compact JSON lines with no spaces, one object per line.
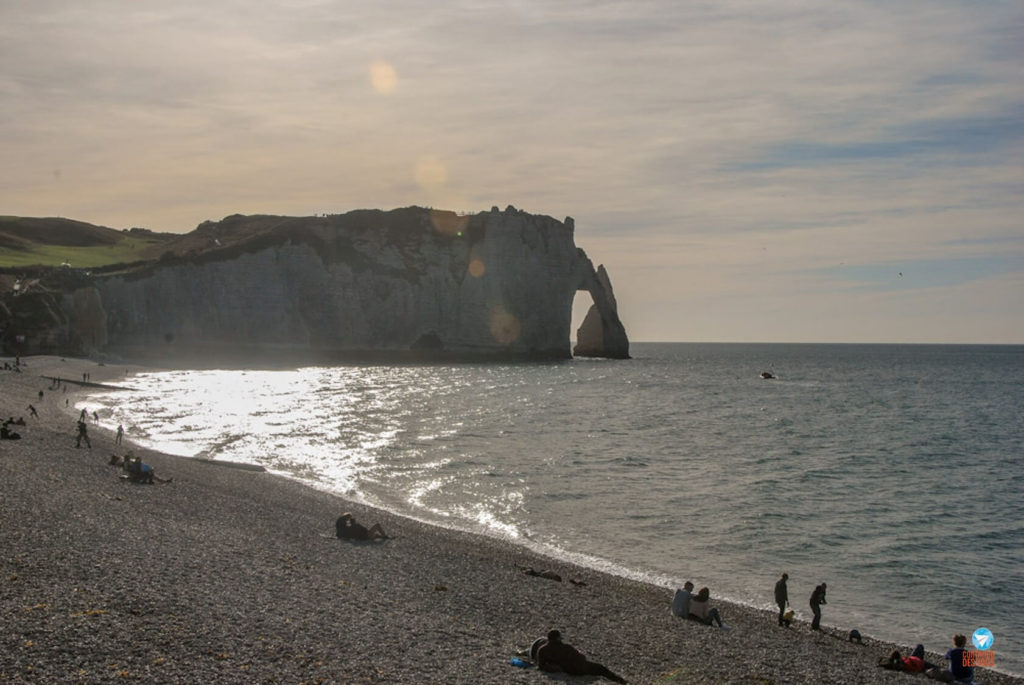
{"x":957,"y":672}
{"x":140,"y":472}
{"x":555,"y":656}
{"x":681,"y":600}
{"x":347,"y":528}
{"x":8,"y":434}
{"x":700,"y":611}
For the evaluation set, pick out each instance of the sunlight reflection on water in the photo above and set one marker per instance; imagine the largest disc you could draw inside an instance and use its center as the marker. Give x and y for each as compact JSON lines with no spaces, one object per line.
{"x":681,"y":462}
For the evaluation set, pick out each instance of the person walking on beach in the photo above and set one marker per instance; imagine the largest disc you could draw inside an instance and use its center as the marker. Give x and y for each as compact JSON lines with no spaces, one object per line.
{"x":782,"y":598}
{"x":120,"y":434}
{"x":32,"y":409}
{"x":681,"y":601}
{"x":83,"y":434}
{"x":555,"y":656}
{"x":817,"y":599}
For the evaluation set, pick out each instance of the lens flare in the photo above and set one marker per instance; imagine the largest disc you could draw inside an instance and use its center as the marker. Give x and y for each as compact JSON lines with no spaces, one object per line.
{"x":431,"y":173}
{"x":505,"y":327}
{"x":383,"y":77}
{"x":448,"y":223}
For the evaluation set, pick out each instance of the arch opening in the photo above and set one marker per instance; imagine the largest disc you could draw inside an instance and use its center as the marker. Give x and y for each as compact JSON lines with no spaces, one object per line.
{"x":582,"y":301}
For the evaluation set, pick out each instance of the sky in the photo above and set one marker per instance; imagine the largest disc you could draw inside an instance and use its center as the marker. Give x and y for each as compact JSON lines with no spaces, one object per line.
{"x":763,"y":170}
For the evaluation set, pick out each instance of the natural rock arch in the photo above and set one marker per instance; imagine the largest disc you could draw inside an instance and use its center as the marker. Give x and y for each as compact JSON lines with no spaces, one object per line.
{"x":601,"y":334}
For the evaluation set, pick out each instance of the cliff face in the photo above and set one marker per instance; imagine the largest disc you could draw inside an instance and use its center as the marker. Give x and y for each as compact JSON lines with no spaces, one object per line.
{"x":497,"y":284}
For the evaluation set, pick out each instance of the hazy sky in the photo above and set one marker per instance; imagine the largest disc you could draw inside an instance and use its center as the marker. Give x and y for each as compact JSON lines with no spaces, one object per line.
{"x":747,"y":171}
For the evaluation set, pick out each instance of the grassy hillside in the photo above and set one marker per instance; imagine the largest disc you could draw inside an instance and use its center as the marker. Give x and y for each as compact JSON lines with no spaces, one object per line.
{"x":51,"y":242}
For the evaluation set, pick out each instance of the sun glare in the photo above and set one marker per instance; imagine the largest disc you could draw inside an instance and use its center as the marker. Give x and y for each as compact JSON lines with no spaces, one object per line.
{"x":430,"y":173}
{"x":383,"y":77}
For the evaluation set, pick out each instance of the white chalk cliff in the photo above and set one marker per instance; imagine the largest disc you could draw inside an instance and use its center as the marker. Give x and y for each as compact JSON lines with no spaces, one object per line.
{"x":407,"y":281}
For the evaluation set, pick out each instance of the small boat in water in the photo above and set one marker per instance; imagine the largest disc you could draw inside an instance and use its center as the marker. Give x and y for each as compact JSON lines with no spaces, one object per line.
{"x":767,"y":375}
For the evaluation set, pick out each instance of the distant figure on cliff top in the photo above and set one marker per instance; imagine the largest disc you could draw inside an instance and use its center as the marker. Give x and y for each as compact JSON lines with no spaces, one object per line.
{"x":120,"y":434}
{"x":347,"y":528}
{"x":83,"y":434}
{"x":557,"y":656}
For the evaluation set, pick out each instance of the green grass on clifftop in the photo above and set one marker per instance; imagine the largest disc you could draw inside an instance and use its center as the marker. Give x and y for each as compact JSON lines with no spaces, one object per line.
{"x":128,"y":250}
{"x":26,"y":242}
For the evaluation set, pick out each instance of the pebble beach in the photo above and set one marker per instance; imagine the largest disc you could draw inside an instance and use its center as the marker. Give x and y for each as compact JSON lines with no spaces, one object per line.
{"x":230,"y":575}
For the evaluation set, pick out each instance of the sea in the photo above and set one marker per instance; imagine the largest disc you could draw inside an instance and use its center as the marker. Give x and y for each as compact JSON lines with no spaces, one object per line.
{"x":892,"y":472}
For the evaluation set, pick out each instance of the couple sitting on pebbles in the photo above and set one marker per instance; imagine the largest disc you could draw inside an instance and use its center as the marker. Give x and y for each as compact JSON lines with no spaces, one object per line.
{"x":554,"y":656}
{"x":685,"y":604}
{"x":136,"y":470}
{"x":347,"y":528}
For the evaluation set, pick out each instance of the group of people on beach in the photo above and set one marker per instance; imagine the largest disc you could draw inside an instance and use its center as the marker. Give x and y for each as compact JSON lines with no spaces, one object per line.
{"x":782,"y":601}
{"x":685,"y":604}
{"x":136,"y":470}
{"x":7,"y":433}
{"x":958,"y":671}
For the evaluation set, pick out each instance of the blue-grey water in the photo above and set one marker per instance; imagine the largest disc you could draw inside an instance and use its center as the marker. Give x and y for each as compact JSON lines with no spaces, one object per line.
{"x":892,"y":472}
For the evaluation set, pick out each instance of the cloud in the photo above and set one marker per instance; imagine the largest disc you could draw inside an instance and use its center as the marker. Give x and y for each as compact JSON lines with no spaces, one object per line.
{"x":699,"y":145}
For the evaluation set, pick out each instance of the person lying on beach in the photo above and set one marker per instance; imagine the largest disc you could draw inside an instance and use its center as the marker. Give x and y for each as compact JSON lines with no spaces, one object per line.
{"x":347,"y":528}
{"x":555,"y":656}
{"x":914,"y":663}
{"x":550,"y":575}
{"x":700,"y":611}
{"x":7,"y":434}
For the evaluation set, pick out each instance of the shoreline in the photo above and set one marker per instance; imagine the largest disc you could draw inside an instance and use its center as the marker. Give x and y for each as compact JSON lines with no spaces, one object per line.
{"x":229,"y":575}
